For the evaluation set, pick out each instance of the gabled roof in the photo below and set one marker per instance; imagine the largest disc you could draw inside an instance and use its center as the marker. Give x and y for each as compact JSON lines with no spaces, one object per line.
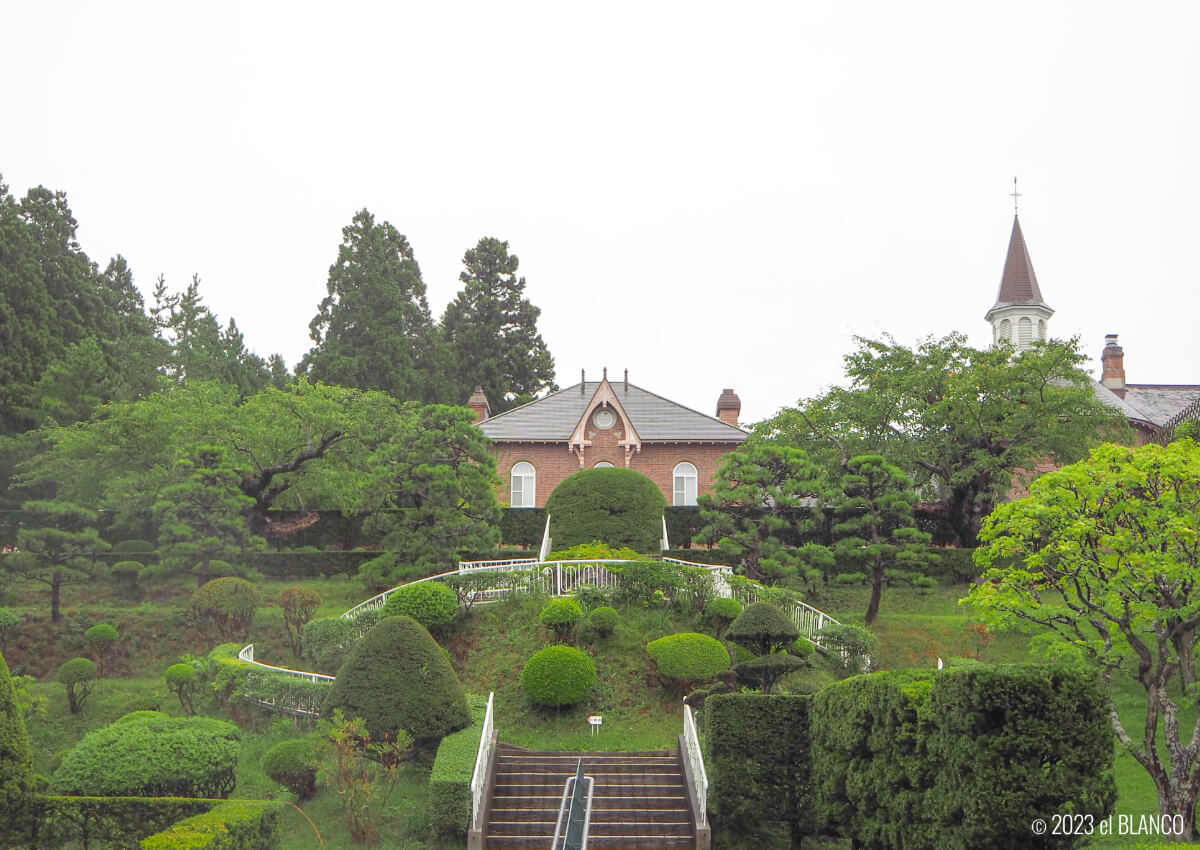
{"x":1018,"y":284}
{"x":656,"y":419}
{"x":1156,"y":404}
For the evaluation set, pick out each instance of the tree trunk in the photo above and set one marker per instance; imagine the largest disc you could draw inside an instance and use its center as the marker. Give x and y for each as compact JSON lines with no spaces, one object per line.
{"x":1180,"y":805}
{"x":56,"y":600}
{"x":876,"y":592}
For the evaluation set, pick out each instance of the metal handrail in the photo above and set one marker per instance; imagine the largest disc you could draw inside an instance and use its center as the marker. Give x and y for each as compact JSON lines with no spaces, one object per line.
{"x":698,"y":784}
{"x":482,"y":759}
{"x":564,"y":829}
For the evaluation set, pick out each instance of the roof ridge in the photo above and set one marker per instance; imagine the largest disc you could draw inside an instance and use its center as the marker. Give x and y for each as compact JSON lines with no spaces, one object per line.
{"x":531,"y":401}
{"x":689,"y":409}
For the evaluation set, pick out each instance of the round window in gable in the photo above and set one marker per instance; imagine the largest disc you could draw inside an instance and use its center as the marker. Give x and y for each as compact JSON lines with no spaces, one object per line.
{"x":604,"y":419}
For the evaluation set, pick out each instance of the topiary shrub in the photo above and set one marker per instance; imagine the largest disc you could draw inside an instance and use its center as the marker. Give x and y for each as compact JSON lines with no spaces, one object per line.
{"x":132,"y":547}
{"x":184,"y":681}
{"x":451,"y":774}
{"x":229,"y":825}
{"x":327,"y":640}
{"x":298,"y":604}
{"x":293,"y":764}
{"x":430,"y":603}
{"x":849,"y":647}
{"x":721,"y":611}
{"x":604,"y":620}
{"x":227,"y":606}
{"x":687,"y":659}
{"x":101,"y":639}
{"x":398,"y":678}
{"x":620,"y":507}
{"x":765,"y":670}
{"x":16,"y":757}
{"x":77,"y":675}
{"x":594,"y":550}
{"x":558,"y":676}
{"x":128,"y":574}
{"x":561,"y":616}
{"x":148,"y":754}
{"x":762,"y":628}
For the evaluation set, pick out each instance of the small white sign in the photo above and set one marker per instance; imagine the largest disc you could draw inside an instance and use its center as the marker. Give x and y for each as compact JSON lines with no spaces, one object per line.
{"x":594,"y":720}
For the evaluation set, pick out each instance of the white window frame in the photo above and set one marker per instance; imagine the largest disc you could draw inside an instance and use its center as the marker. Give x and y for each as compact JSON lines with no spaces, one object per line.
{"x":523,"y":485}
{"x":603,"y":465}
{"x":685,"y":481}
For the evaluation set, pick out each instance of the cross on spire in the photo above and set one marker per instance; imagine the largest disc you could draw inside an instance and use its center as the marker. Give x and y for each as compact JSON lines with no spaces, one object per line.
{"x":1015,"y":194}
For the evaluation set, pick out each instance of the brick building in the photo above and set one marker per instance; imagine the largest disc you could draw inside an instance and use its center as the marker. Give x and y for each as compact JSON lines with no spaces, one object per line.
{"x":598,"y":423}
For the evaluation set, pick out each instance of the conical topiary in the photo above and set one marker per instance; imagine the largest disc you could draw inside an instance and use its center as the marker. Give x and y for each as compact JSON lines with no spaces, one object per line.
{"x":762,"y":628}
{"x":398,"y":678}
{"x":16,"y":756}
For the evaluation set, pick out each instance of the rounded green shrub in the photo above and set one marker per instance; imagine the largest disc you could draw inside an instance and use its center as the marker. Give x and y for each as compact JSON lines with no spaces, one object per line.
{"x":127,"y":575}
{"x":604,"y":620}
{"x":293,"y":764}
{"x":561,"y":616}
{"x":432,"y":604}
{"x":184,"y":681}
{"x":16,"y":756}
{"x":688,"y":658}
{"x":101,"y":633}
{"x":226,"y":605}
{"x":77,"y":675}
{"x":763,"y":628}
{"x":397,"y":678}
{"x":133,"y":547}
{"x":721,"y":611}
{"x":327,"y":640}
{"x":558,"y":676}
{"x":619,"y":507}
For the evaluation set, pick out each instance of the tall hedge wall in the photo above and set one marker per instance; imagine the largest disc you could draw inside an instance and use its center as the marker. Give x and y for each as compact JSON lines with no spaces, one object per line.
{"x":450,"y":777}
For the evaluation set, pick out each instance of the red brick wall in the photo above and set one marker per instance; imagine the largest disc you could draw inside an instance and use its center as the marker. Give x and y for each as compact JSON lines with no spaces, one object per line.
{"x":555,"y":461}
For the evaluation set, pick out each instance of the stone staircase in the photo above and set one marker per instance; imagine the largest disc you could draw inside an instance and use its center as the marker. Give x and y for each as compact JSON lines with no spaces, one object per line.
{"x":640,"y":800}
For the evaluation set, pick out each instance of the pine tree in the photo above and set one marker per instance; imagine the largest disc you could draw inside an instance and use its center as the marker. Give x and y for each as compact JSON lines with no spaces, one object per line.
{"x":56,"y":549}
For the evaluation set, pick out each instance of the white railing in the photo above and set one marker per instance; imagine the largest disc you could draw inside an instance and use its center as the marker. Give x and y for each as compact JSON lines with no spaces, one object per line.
{"x":665,"y":543}
{"x":697,"y":776}
{"x":482,"y":759}
{"x":544,"y":551}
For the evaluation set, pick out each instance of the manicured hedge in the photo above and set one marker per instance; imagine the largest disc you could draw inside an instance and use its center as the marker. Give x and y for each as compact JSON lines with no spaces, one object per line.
{"x":293,"y":764}
{"x":757,"y":759}
{"x":16,"y":757}
{"x":430,"y":603}
{"x":688,"y":658}
{"x":230,"y":825}
{"x":450,"y":777}
{"x":561,"y":616}
{"x":558,"y":675}
{"x":723,"y":557}
{"x":683,"y":523}
{"x":620,"y":507}
{"x":522,"y":526}
{"x":53,"y":822}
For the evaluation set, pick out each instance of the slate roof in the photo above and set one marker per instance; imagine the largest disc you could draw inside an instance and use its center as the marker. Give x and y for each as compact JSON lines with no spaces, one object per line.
{"x":1160,"y":402}
{"x":1018,"y":284}
{"x":655,"y":418}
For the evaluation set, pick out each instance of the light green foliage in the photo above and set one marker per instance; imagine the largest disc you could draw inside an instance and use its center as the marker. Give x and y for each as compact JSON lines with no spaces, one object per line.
{"x":650,"y":583}
{"x":101,"y":639}
{"x":374,"y":331}
{"x":184,"y":681}
{"x":1107,"y":552}
{"x":432,"y":604}
{"x":763,"y":628}
{"x":148,"y":754}
{"x":9,"y":621}
{"x":77,"y":676}
{"x":760,"y":505}
{"x":849,"y":646}
{"x":293,"y":764}
{"x":490,"y":329}
{"x":298,"y":605}
{"x":595,"y":549}
{"x":1188,"y":430}
{"x":875,"y":524}
{"x":561,"y":616}
{"x":558,"y":676}
{"x":721,"y":611}
{"x":56,"y":549}
{"x":226,"y":606}
{"x":688,"y":658}
{"x":327,"y":640}
{"x":16,"y":757}
{"x":450,"y":777}
{"x":604,"y":620}
{"x":620,"y":507}
{"x":396,"y":678}
{"x":230,"y":825}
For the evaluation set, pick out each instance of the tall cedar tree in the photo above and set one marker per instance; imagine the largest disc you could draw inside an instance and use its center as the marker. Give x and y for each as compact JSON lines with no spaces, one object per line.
{"x":876,"y":526}
{"x":57,"y":548}
{"x":490,"y":329}
{"x":963,"y":422}
{"x":374,"y":330}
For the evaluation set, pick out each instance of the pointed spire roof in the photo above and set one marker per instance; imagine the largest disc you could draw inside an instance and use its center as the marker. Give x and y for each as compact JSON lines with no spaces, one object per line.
{"x":1019,"y":284}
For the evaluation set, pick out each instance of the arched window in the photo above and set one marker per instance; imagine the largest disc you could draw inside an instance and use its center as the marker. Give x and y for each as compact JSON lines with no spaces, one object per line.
{"x":603,"y":465}
{"x":1042,"y":329}
{"x":524,"y":485}
{"x":685,"y":485}
{"x":1024,"y":332}
{"x":1005,"y":331}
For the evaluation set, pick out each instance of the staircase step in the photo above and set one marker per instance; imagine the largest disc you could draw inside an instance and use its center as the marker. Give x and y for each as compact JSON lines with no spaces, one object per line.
{"x":601,"y":842}
{"x":627,"y":814}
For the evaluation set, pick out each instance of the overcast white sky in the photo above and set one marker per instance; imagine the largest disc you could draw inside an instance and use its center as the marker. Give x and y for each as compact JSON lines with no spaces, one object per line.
{"x":710,"y":195}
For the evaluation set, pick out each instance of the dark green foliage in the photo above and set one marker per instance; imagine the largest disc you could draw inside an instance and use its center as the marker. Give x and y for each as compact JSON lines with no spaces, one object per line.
{"x":133,"y":547}
{"x":721,"y":611}
{"x":849,"y":647}
{"x":1040,"y":733}
{"x":561,"y":616}
{"x":558,"y":676}
{"x":604,"y":620}
{"x":127,"y":575}
{"x":688,"y":658}
{"x":396,"y":678}
{"x":16,"y":757}
{"x":765,"y":670}
{"x":757,"y":758}
{"x":56,"y":548}
{"x":431,"y":603}
{"x":450,"y":777}
{"x":522,"y":526}
{"x":763,"y":628}
{"x":956,"y":564}
{"x":9,"y":621}
{"x":77,"y":675}
{"x":722,"y":557}
{"x":298,"y":605}
{"x":293,"y":764}
{"x":617,"y":506}
{"x":184,"y":681}
{"x":327,"y":640}
{"x":226,"y":606}
{"x":68,"y":822}
{"x":230,"y":825}
{"x":147,"y":754}
{"x":683,"y":523}
{"x":490,"y":329}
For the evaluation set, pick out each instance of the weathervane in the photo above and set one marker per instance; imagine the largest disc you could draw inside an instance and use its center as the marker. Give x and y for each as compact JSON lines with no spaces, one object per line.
{"x":1015,"y":194}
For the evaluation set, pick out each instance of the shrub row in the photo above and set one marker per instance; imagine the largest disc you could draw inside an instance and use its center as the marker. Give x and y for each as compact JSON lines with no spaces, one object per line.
{"x":52,"y":822}
{"x":522,"y":526}
{"x":963,"y":758}
{"x":230,"y":825}
{"x":450,"y":777}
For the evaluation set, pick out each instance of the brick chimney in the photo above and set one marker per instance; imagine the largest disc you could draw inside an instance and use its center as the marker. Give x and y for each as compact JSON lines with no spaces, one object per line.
{"x":728,"y":407}
{"x":1113,"y":358}
{"x":479,"y":403}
